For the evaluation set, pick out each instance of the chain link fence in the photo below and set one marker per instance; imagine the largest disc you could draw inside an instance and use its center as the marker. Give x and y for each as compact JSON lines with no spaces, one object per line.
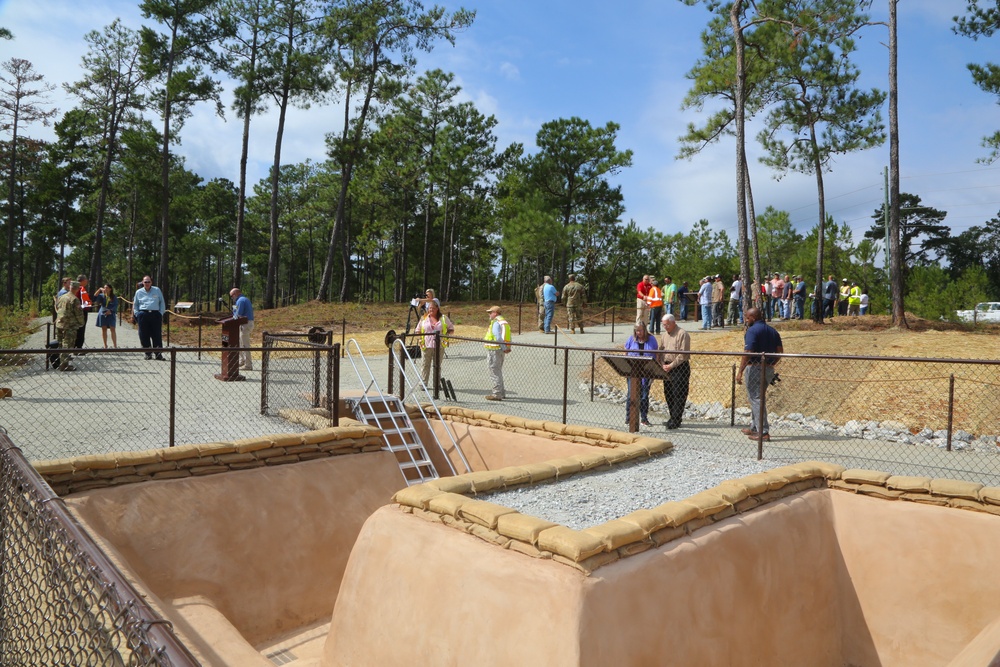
{"x":934,"y":417}
{"x":300,"y":373}
{"x":116,"y":400}
{"x":61,"y":601}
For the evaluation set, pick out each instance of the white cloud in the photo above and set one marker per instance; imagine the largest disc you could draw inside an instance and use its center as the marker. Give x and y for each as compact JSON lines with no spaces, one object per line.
{"x":509,"y":71}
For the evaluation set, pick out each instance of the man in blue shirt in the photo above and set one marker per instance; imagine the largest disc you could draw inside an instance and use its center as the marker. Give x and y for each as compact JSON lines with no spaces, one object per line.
{"x":148,"y":307}
{"x":243,"y":308}
{"x":550,"y":296}
{"x":759,"y":337}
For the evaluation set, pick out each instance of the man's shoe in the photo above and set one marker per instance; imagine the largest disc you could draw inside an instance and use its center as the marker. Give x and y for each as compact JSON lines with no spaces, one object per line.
{"x":160,"y":357}
{"x":581,"y":329}
{"x":491,"y":397}
{"x":67,"y":367}
{"x":645,"y":423}
{"x":765,"y":437}
{"x":748,"y":431}
{"x":148,"y":357}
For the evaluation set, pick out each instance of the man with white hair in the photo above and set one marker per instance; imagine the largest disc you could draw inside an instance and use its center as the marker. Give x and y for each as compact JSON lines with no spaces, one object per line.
{"x":674,"y":345}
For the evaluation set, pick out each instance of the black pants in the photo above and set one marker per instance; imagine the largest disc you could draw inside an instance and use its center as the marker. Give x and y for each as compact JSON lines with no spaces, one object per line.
{"x":82,"y":331}
{"x":150,"y":329}
{"x":675,"y":392}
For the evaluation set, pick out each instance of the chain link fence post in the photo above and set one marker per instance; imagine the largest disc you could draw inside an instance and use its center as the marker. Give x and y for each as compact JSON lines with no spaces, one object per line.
{"x":173,"y":395}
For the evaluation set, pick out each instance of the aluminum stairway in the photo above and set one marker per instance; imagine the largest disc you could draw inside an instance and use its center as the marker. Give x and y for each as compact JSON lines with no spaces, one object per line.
{"x":389,"y":413}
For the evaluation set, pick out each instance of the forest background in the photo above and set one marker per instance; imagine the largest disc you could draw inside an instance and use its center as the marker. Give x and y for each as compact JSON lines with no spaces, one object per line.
{"x":415,"y":190}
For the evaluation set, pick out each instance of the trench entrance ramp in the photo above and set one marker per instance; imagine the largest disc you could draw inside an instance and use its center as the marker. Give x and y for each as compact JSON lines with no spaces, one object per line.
{"x":390,"y":413}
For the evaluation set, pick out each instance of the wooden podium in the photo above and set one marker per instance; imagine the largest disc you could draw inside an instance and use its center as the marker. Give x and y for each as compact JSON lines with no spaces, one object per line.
{"x":231,"y":357}
{"x":635,"y":369}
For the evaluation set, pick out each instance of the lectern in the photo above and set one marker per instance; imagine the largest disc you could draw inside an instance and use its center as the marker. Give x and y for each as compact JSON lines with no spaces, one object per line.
{"x":635,"y":369}
{"x":231,"y":357}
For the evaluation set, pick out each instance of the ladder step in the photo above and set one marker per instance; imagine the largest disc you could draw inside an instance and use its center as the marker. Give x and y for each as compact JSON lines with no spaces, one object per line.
{"x":405,"y":447}
{"x":419,"y":464}
{"x":386,"y":415}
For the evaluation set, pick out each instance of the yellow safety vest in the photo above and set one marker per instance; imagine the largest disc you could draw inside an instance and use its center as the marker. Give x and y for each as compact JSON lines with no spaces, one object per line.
{"x":491,"y":343}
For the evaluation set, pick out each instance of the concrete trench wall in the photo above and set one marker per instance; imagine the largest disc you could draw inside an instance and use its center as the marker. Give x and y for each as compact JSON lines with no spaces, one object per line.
{"x":800,"y":569}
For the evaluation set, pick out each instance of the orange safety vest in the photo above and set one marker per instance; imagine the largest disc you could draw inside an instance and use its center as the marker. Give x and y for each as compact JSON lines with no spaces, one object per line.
{"x":655,"y":297}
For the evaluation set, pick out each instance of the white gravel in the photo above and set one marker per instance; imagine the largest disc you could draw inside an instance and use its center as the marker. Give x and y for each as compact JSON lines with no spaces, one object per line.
{"x":591,"y":498}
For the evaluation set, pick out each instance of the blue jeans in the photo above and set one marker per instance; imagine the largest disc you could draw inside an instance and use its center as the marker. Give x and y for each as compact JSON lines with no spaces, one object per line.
{"x":706,"y":316}
{"x":644,"y":385}
{"x":550,"y":311}
{"x":684,"y":309}
{"x":800,"y":306}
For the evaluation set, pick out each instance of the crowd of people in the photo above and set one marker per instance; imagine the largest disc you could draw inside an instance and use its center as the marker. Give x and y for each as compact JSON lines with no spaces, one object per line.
{"x":73,"y":303}
{"x":781,"y":297}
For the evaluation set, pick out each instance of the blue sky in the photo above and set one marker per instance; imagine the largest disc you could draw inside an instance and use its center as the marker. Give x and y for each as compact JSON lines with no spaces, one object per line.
{"x":531,"y":61}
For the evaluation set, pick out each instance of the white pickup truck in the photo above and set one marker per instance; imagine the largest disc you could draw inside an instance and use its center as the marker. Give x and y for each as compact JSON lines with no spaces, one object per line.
{"x":987,"y":311}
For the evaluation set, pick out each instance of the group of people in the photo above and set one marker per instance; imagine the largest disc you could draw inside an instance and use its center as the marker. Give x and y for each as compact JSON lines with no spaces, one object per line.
{"x":672,"y":353}
{"x":780,"y":297}
{"x":574,"y":297}
{"x":652,"y":302}
{"x":73,"y":303}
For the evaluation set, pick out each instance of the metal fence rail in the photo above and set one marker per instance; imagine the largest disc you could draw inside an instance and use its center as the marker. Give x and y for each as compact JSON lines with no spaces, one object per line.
{"x":61,"y":601}
{"x":118,"y":401}
{"x":934,"y":417}
{"x":300,"y":372}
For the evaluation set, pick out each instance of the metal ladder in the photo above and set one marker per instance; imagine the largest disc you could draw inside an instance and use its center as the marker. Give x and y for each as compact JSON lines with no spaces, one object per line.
{"x":389,"y":413}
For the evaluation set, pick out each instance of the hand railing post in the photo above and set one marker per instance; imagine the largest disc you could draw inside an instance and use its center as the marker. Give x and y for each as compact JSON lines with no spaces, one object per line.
{"x":763,"y":408}
{"x":437,"y":364}
{"x":951,"y":407}
{"x":565,"y":382}
{"x":732,"y":400}
{"x":173,"y":394}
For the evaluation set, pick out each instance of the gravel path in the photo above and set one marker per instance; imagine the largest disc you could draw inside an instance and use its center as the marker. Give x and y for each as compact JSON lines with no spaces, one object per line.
{"x":589,"y":499}
{"x":118,"y":401}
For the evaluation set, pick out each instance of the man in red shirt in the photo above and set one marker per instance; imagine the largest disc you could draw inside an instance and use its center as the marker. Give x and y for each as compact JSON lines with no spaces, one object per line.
{"x":641,"y":307}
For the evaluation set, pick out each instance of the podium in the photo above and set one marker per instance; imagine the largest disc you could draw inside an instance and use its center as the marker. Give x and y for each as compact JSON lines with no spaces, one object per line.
{"x":634,"y":369}
{"x":231,"y":357}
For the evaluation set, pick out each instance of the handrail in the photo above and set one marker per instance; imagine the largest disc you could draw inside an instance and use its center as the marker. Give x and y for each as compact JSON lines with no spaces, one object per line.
{"x":365,"y":396}
{"x":162,"y":642}
{"x":419,"y":384}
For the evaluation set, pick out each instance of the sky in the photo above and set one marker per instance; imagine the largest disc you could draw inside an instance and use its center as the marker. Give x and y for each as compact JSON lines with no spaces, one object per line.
{"x":528,"y":62}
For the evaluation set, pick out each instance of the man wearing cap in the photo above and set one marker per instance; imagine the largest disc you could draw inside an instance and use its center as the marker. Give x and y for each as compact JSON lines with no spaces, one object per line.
{"x":735,"y":301}
{"x":705,"y":301}
{"x":641,"y":307}
{"x":497,"y":345}
{"x":574,"y":296}
{"x":85,"y":305}
{"x":799,"y":297}
{"x":845,"y":294}
{"x":69,"y":319}
{"x":854,"y":300}
{"x":718,"y":292}
{"x":549,"y":296}
{"x":759,"y":337}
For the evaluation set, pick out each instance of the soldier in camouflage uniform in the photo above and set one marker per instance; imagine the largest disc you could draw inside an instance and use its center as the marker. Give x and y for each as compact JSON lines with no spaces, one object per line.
{"x":575,"y":296}
{"x":69,"y":318}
